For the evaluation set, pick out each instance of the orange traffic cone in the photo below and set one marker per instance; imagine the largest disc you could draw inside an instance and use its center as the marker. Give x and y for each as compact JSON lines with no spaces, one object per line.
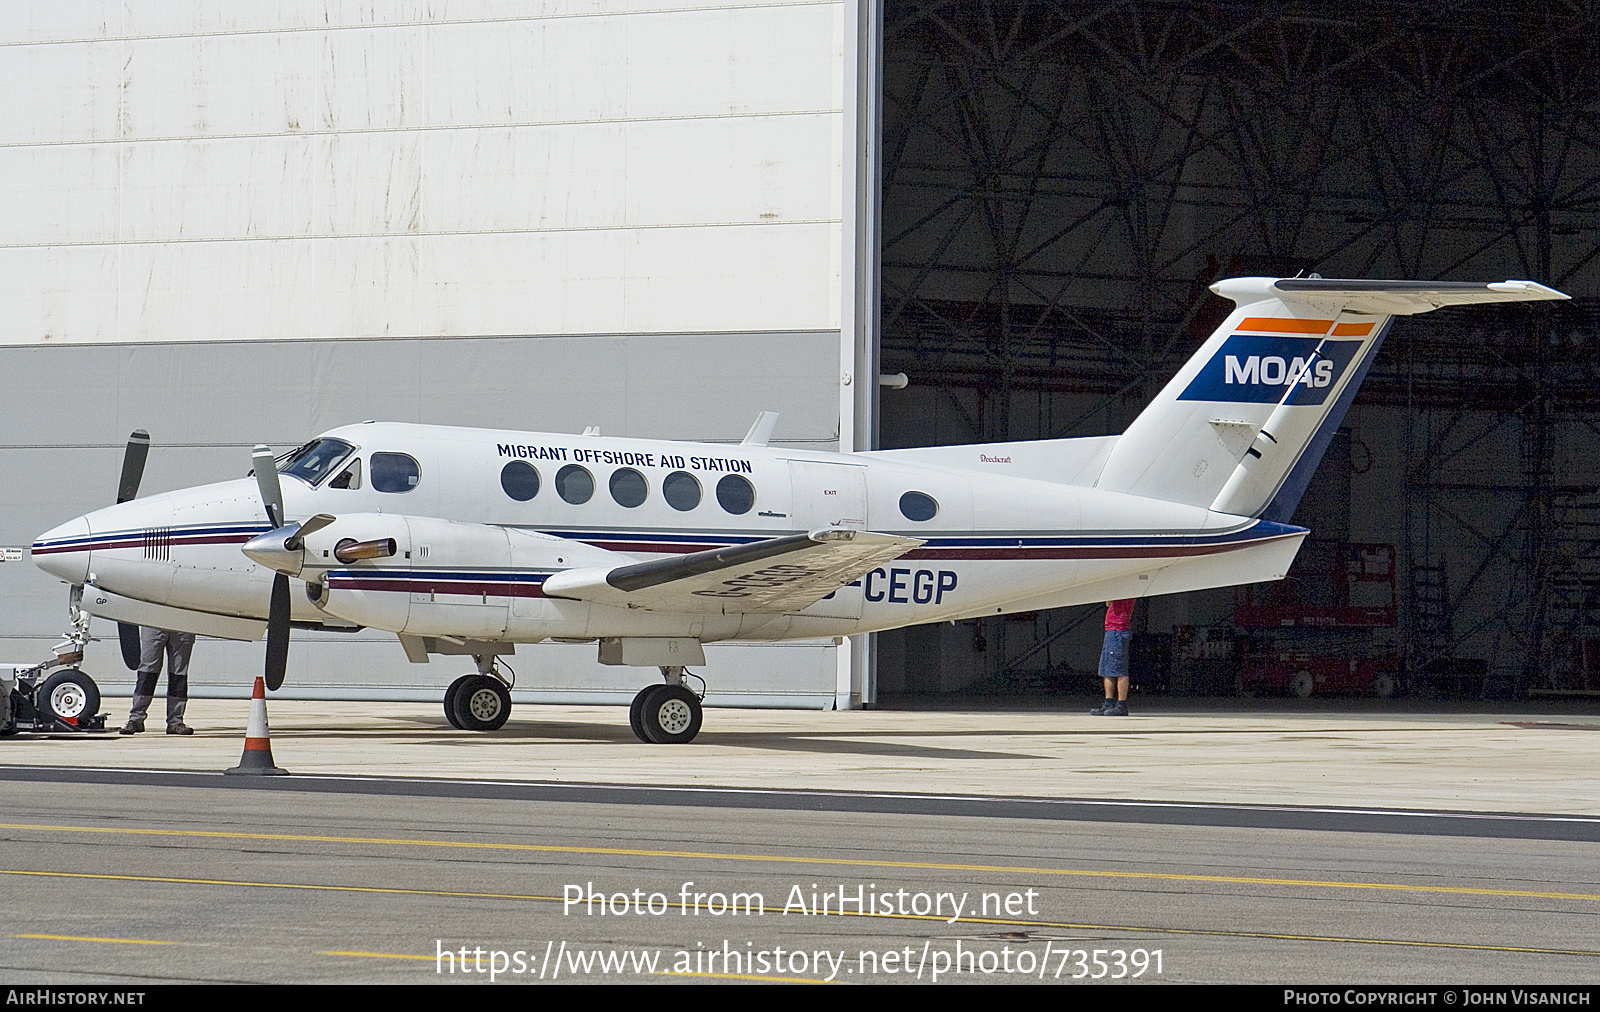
{"x":257,"y":758}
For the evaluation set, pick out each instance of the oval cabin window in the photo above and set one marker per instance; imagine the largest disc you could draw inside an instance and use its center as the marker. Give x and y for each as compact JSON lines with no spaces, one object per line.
{"x":574,"y":484}
{"x":736,"y":495}
{"x":520,"y":480}
{"x":394,"y":472}
{"x":918,"y":506}
{"x":628,"y":487}
{"x":681,"y":490}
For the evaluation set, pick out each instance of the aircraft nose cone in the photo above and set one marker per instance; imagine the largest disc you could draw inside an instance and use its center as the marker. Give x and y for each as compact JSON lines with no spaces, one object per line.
{"x":64,"y":551}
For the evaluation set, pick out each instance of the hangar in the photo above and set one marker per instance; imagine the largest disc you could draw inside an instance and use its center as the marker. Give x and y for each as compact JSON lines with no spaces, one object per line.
{"x":248,"y":226}
{"x":1060,"y":183}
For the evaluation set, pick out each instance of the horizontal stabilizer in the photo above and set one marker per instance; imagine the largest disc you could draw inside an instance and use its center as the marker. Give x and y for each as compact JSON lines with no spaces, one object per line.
{"x":1400,"y":298}
{"x":776,"y":575}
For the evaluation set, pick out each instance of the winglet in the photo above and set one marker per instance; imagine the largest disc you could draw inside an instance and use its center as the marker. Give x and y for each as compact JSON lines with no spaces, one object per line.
{"x":761,"y":431}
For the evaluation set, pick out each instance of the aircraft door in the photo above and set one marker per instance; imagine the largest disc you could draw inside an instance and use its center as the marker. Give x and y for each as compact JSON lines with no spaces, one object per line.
{"x":828,"y":495}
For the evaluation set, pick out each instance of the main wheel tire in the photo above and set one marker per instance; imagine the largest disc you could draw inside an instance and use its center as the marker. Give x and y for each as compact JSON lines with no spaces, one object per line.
{"x":671,"y":715}
{"x":482,"y":704}
{"x":636,"y":712}
{"x":68,"y":696}
{"x":450,"y":695}
{"x":1303,"y":684}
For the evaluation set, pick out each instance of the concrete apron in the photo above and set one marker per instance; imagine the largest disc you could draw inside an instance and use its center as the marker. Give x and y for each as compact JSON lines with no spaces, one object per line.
{"x":1510,"y":762}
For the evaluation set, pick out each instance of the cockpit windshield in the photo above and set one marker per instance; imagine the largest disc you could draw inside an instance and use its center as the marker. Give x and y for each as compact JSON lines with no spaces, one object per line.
{"x":316,"y":460}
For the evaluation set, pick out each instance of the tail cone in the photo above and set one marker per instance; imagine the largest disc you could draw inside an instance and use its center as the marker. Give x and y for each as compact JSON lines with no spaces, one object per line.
{"x":257,"y":758}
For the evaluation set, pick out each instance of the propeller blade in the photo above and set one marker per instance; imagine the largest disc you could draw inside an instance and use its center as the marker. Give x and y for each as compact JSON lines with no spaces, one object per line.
{"x":278,"y":632}
{"x":309,"y":528}
{"x":267,"y":481}
{"x":129,"y":637}
{"x":133,"y":459}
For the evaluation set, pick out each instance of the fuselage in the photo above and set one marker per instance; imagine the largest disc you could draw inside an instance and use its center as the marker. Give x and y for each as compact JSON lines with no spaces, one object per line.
{"x":481,"y":518}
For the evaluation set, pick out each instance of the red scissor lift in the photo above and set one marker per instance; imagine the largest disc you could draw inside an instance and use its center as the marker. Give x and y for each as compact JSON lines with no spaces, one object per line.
{"x":1329,"y":627}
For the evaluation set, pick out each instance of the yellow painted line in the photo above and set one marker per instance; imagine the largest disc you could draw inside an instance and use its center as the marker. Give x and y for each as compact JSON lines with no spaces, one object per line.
{"x":846,"y":862}
{"x":1407,"y":943}
{"x":271,"y":885}
{"x":1145,"y":929}
{"x":658,"y":973}
{"x":91,"y":938}
{"x":744,"y":976}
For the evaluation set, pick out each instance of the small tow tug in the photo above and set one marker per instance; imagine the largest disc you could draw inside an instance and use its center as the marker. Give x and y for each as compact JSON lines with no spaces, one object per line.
{"x":53,"y":696}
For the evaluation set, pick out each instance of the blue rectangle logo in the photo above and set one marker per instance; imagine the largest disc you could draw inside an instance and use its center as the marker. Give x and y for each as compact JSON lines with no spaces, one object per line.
{"x":1252,"y":369}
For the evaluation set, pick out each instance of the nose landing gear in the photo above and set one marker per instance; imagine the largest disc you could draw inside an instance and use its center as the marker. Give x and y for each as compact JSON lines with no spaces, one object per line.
{"x":666,"y":714}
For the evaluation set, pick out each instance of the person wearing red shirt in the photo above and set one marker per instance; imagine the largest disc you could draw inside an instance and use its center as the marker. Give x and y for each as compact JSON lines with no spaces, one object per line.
{"x":1114,"y":659}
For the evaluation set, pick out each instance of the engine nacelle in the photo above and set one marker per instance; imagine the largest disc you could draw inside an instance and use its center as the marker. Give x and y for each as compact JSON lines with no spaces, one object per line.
{"x":429,"y":577}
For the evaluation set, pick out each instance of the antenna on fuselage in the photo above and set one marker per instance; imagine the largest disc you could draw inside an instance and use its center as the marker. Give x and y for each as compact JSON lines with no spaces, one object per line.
{"x":761,"y":431}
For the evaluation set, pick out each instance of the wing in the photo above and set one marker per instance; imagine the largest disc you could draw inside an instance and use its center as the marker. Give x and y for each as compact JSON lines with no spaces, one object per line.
{"x":777,"y":575}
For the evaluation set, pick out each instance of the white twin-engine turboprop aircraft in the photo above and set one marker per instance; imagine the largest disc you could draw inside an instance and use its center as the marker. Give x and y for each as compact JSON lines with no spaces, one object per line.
{"x":468,"y":541}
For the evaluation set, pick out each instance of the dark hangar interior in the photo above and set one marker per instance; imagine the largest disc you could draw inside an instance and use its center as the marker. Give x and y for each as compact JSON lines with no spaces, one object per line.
{"x":1062,"y":181}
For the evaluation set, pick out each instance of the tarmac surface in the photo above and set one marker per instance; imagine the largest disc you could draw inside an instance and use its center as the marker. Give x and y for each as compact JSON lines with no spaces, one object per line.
{"x":1507,"y":761}
{"x":1287,"y":844}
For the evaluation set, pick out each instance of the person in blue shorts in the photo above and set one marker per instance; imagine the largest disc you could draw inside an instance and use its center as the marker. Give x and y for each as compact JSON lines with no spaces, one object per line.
{"x":1114,"y":659}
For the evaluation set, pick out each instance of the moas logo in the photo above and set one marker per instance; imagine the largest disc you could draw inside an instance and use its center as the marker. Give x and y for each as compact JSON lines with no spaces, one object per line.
{"x":1260,"y":370}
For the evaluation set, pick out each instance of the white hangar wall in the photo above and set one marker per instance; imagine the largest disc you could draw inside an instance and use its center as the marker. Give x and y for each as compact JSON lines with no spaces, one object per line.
{"x":255,"y":173}
{"x":247,"y":224}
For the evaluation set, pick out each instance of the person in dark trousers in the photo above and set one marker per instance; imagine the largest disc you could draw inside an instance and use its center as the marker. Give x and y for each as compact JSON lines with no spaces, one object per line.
{"x":1114,"y":659}
{"x":152,"y":644}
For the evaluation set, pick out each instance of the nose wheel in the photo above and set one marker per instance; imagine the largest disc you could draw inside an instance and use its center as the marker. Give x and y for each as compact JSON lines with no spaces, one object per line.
{"x":665,"y":715}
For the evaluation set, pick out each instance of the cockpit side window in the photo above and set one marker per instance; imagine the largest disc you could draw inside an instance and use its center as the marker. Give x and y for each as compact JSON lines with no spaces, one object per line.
{"x":314,"y":461}
{"x":350,"y":477}
{"x":394,"y":472}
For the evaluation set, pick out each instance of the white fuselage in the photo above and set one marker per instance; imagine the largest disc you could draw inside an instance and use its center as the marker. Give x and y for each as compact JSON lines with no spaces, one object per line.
{"x":996,"y":542}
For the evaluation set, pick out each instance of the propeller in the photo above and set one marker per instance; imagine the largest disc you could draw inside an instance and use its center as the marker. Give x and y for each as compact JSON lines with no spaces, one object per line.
{"x":267,"y":481}
{"x":133,"y":459}
{"x":278,"y":549}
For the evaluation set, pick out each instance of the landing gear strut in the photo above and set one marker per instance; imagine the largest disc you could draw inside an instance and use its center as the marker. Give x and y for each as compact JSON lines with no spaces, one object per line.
{"x":666,"y":714}
{"x":479,"y":702}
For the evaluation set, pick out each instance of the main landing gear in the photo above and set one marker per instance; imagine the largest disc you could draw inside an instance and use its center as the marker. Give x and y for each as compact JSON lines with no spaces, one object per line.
{"x":479,"y":702}
{"x":666,"y":714}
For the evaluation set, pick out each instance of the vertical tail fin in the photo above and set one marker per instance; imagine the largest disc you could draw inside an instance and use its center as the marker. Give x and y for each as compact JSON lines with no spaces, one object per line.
{"x":1243,"y":424}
